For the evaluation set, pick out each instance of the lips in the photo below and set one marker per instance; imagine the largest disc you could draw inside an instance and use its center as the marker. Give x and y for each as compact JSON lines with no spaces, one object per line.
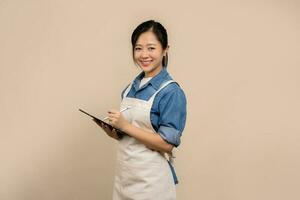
{"x":146,"y":63}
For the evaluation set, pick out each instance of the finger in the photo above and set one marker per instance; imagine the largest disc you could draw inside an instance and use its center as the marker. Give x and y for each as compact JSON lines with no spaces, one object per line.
{"x":102,"y":124}
{"x":112,"y":115}
{"x":112,"y":118}
{"x":111,"y":122}
{"x":112,"y":111}
{"x":114,"y":132}
{"x":107,"y":128}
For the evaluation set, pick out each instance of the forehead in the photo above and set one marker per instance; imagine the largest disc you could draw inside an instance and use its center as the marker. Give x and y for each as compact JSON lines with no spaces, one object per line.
{"x":147,"y":38}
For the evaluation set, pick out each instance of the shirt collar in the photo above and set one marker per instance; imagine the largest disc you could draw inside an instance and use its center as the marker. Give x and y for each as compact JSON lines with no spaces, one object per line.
{"x":156,"y":81}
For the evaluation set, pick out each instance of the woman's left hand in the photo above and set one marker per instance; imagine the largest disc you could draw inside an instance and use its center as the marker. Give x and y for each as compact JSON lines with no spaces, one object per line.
{"x":116,"y":119}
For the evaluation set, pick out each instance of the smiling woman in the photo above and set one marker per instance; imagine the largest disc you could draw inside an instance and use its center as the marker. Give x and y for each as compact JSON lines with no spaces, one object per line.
{"x":153,"y":124}
{"x":150,"y":47}
{"x":148,"y":53}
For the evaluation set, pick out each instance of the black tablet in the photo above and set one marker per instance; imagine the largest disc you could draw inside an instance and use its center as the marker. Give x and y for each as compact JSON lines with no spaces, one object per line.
{"x":119,"y":132}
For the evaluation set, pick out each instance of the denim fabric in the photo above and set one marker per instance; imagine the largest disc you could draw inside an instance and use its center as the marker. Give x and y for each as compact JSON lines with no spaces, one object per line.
{"x":168,"y":112}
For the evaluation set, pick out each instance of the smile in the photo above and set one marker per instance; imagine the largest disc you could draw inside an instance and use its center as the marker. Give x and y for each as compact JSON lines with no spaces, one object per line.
{"x":145,"y":63}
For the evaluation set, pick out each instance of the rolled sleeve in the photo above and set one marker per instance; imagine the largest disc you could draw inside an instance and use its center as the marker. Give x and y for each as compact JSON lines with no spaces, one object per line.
{"x":172,"y":116}
{"x":170,"y":135}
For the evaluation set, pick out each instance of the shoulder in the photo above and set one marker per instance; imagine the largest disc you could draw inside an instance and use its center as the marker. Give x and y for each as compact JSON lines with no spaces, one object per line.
{"x":171,"y":102}
{"x":172,"y":87}
{"x":173,"y":91}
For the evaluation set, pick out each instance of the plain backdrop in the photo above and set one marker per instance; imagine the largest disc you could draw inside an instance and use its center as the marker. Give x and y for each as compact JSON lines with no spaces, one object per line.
{"x":237,"y":61}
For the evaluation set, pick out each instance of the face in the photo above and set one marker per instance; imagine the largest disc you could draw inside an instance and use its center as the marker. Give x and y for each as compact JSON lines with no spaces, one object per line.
{"x":148,"y":54}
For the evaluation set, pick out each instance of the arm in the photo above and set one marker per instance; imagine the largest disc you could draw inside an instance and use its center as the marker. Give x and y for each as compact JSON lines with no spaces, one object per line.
{"x":150,"y":139}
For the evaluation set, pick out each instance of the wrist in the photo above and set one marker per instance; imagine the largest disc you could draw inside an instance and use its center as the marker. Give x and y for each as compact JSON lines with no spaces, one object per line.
{"x":126,"y":127}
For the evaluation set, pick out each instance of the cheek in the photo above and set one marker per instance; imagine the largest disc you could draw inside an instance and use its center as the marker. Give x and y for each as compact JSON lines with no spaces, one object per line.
{"x":158,"y":56}
{"x":136,"y":56}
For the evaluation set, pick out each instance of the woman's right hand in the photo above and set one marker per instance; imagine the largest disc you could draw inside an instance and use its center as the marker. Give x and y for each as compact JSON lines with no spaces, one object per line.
{"x":112,"y":133}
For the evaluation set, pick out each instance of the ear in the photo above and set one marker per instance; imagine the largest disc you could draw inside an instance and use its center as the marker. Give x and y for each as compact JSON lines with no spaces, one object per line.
{"x":166,"y":50}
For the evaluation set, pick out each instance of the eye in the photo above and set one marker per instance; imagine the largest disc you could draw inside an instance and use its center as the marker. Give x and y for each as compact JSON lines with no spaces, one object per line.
{"x":151,"y":48}
{"x":137,"y":48}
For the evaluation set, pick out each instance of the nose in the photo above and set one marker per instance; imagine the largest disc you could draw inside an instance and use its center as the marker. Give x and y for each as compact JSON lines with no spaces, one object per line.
{"x":144,"y":54}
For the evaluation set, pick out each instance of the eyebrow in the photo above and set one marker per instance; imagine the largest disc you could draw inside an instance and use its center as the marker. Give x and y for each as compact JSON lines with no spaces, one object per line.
{"x":146,"y":45}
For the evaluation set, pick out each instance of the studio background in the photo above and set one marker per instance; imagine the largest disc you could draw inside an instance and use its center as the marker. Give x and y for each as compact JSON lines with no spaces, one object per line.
{"x":237,"y":61}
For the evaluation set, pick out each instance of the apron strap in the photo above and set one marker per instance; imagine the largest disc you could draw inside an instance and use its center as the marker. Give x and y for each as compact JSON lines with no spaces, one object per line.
{"x":161,"y":87}
{"x":170,"y":160}
{"x":127,"y":90}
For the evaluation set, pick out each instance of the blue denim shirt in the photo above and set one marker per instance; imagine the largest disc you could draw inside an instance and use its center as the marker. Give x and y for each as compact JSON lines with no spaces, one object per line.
{"x":168,"y":112}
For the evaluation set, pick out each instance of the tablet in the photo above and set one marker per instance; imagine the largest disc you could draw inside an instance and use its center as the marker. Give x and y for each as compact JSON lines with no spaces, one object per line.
{"x":119,"y":132}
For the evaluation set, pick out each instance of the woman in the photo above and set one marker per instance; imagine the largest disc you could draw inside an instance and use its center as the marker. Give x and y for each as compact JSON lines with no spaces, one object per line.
{"x":153,"y":122}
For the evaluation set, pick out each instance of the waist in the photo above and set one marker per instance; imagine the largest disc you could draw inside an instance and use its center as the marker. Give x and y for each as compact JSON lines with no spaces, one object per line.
{"x":133,"y":152}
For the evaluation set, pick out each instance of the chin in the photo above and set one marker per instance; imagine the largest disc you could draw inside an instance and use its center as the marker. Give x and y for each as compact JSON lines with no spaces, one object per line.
{"x":147,"y":69}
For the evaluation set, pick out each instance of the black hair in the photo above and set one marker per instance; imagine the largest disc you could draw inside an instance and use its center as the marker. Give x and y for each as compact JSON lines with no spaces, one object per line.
{"x":159,"y":31}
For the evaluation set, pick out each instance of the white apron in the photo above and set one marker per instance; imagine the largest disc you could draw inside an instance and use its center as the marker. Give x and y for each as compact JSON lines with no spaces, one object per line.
{"x":141,"y":173}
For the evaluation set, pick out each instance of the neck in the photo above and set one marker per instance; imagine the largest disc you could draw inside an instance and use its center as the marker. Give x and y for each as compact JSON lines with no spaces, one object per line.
{"x":154,"y":72}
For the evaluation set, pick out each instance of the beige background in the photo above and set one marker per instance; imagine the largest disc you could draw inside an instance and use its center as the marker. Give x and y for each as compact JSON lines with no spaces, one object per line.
{"x":237,"y":61}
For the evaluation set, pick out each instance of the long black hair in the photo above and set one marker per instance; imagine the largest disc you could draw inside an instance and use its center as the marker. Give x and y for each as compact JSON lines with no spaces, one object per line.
{"x":159,"y":31}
